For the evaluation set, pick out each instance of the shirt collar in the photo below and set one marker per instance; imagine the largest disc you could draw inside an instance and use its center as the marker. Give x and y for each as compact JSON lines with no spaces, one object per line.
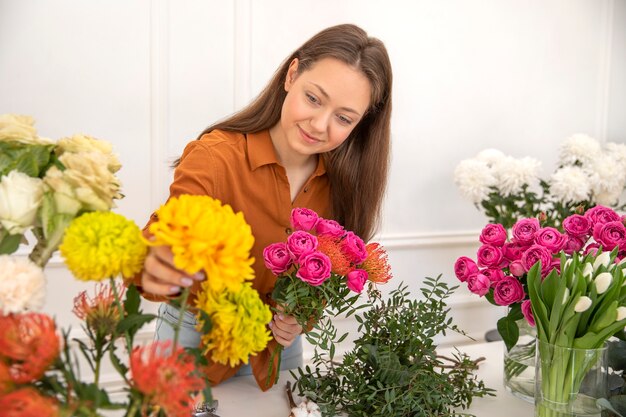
{"x":261,"y":152}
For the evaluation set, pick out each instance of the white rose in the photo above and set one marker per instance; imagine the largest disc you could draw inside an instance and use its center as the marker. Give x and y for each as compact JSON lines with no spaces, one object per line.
{"x":22,"y":285}
{"x":84,"y":143}
{"x":17,"y":128}
{"x":20,"y":197}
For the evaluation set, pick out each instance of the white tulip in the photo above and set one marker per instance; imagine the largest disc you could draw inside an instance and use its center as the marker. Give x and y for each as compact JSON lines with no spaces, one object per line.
{"x":602,"y":282}
{"x":565,"y":295}
{"x":587,"y":270}
{"x":20,"y":197}
{"x":621,"y":313}
{"x":582,"y":304}
{"x":603,"y":259}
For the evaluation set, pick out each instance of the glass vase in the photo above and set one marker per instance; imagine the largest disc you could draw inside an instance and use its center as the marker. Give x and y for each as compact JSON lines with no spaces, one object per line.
{"x":519,"y":364}
{"x":569,"y":382}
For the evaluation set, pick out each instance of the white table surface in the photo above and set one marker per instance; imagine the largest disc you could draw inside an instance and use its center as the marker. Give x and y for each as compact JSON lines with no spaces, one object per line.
{"x":241,"y":396}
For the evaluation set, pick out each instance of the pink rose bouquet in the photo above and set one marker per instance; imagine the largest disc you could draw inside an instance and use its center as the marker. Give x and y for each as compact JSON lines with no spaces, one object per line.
{"x":503,"y":261}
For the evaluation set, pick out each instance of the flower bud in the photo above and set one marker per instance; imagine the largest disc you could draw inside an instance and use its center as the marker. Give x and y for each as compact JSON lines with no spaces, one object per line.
{"x":565,"y":295}
{"x":621,"y":313}
{"x":582,"y":304}
{"x":603,"y":259}
{"x":587,"y":271}
{"x":602,"y":282}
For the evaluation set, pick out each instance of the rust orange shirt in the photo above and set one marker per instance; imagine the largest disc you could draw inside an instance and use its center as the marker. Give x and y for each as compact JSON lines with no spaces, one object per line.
{"x":243,"y":171}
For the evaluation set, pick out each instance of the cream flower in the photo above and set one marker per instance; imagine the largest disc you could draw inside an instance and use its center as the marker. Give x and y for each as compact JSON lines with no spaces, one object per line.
{"x":582,"y":304}
{"x":513,"y":173}
{"x":86,"y":182}
{"x":604,"y":259}
{"x":20,"y":197}
{"x":579,"y":148}
{"x":602,"y":282}
{"x":491,"y":157}
{"x":22,"y":285}
{"x":607,"y":180}
{"x":570,"y":184}
{"x":618,"y":152}
{"x":84,"y":143}
{"x":18,"y":128}
{"x":474,"y":178}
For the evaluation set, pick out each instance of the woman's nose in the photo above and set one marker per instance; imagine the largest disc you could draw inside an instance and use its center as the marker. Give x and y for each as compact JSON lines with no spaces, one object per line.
{"x":320,"y":120}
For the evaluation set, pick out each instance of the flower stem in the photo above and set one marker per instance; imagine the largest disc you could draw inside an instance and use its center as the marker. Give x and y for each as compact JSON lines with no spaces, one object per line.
{"x":181,"y":315}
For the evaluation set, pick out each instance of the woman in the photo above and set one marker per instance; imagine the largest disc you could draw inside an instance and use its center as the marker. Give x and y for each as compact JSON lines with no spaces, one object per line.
{"x":317,"y":136}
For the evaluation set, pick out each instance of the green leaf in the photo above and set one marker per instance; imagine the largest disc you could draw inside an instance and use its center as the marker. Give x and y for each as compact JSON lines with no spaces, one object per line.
{"x":10,"y":243}
{"x":508,"y":331}
{"x":134,"y":322}
{"x":132,"y":301}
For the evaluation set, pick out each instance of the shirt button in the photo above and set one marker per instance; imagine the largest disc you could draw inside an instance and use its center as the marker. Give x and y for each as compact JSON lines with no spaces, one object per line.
{"x":288,"y":231}
{"x":306,"y":189}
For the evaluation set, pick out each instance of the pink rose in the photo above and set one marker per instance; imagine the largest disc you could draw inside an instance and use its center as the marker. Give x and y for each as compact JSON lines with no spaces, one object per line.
{"x":551,"y":238}
{"x":478,"y":284}
{"x":508,"y":291}
{"x":524,"y":231}
{"x":314,"y":268}
{"x":592,"y":249}
{"x":277,"y":258}
{"x":493,"y":234}
{"x":556,"y":264}
{"x":356,"y":279}
{"x":303,"y":219}
{"x":535,"y":254}
{"x":354,"y":248}
{"x":517,"y":269}
{"x":494,"y":274}
{"x":577,"y":226}
{"x":513,"y":251}
{"x":609,"y":235}
{"x":527,"y":311}
{"x":490,"y":256}
{"x":601,"y":214}
{"x":464,"y":267}
{"x":331,"y":228}
{"x":300,"y":244}
{"x":574,"y":244}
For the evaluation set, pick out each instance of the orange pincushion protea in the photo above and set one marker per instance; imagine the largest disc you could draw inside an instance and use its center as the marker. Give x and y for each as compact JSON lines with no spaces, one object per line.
{"x":28,"y":402}
{"x":376,"y":264}
{"x":331,"y":247}
{"x":167,"y":380}
{"x":100,"y":312}
{"x":30,"y":345}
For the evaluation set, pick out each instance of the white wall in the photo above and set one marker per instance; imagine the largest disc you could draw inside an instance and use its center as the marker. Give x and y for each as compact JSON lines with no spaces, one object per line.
{"x":519,"y":76}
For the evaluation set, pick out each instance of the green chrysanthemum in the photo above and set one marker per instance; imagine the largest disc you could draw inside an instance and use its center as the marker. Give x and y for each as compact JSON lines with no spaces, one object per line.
{"x":239,"y":323}
{"x":103,"y":244}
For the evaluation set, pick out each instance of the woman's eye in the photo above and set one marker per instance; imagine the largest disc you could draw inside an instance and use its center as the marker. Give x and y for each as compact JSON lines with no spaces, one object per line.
{"x":311,"y":98}
{"x":344,"y":120}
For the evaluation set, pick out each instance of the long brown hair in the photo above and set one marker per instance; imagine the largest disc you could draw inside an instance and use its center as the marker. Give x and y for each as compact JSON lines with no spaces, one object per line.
{"x":357,"y":169}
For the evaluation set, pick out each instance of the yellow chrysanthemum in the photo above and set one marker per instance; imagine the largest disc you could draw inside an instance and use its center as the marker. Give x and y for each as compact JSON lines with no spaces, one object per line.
{"x":239,"y":324}
{"x":206,"y":235}
{"x":103,"y":244}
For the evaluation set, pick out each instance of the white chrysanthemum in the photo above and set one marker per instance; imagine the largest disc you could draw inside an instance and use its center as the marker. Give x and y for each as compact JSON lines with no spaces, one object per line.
{"x":570,"y":184}
{"x":490,"y":156}
{"x":22,"y":285}
{"x":607,"y":180}
{"x":513,"y":173}
{"x":473,"y":178}
{"x":579,"y":148}
{"x":618,"y":152}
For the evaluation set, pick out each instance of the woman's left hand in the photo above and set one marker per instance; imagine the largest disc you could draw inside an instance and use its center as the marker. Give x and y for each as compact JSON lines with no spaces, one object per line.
{"x":285,"y":329}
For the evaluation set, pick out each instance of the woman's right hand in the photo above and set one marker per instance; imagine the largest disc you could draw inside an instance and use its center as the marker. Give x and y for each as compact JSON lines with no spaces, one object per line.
{"x":161,"y":277}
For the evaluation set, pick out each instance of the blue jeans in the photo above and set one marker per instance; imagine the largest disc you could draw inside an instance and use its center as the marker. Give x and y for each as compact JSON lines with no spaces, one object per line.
{"x":188,"y":336}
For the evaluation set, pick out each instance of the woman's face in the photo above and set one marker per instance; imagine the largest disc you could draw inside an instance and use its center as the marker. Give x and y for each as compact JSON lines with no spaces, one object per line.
{"x":322,"y":106}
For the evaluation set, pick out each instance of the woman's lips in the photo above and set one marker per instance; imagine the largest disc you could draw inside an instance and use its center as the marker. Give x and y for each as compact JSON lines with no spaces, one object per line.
{"x":308,"y":138}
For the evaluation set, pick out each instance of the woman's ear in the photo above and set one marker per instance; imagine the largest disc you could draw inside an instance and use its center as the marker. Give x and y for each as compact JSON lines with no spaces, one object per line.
{"x":292,"y":74}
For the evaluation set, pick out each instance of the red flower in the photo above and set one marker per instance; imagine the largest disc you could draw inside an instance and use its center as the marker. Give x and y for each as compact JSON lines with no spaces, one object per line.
{"x":30,"y":343}
{"x":6,"y":383}
{"x":27,"y":402}
{"x":376,"y":264}
{"x":100,"y":312}
{"x":331,"y":247}
{"x":168,"y":380}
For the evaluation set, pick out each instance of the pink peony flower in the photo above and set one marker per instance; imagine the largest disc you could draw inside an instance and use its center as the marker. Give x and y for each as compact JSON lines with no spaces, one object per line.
{"x":551,"y":238}
{"x":490,"y":256}
{"x":314,"y":268}
{"x":331,"y":228}
{"x":478,"y":284}
{"x":574,"y":244}
{"x":513,"y":251}
{"x":535,"y":254}
{"x":524,"y":231}
{"x":493,"y":234}
{"x":517,"y":269}
{"x":577,"y":225}
{"x":303,"y":219}
{"x":354,"y":248}
{"x":494,"y":274}
{"x":277,"y":258}
{"x":610,"y":234}
{"x":508,"y":291}
{"x":300,"y":244}
{"x":464,"y":267}
{"x":356,"y":280}
{"x":527,"y":311}
{"x":601,"y":214}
